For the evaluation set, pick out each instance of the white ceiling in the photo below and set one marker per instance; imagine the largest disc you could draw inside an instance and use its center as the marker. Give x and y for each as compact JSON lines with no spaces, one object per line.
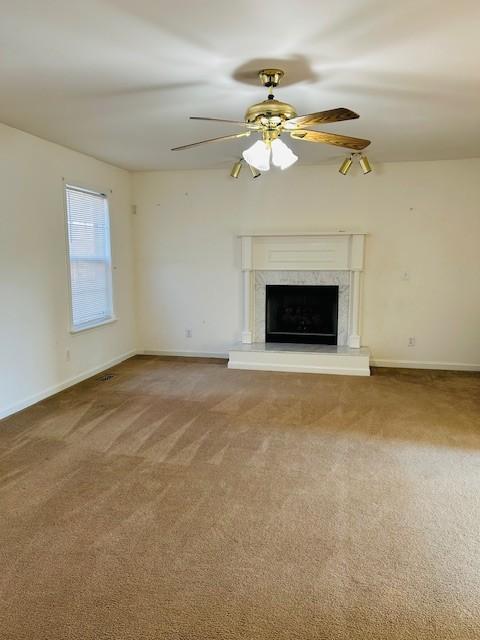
{"x":117,"y":79}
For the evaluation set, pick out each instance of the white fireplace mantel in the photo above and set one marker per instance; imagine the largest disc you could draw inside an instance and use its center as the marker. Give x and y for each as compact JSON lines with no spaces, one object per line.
{"x":303,"y":251}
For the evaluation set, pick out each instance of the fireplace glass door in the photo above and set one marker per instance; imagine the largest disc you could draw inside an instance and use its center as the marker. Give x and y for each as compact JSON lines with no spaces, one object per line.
{"x":302,"y":314}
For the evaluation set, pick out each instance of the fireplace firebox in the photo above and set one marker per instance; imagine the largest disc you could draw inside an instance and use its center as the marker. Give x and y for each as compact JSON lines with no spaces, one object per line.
{"x":305,"y":314}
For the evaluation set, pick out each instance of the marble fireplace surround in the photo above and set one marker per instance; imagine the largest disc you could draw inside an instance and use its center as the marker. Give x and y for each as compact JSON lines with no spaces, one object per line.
{"x":328,"y":258}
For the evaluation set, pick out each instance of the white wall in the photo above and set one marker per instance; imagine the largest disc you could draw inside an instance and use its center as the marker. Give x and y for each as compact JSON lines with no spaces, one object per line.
{"x":423,"y":218}
{"x":34,"y":304}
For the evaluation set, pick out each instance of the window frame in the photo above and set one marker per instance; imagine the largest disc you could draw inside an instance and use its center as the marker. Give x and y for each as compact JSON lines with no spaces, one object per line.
{"x":79,"y":186}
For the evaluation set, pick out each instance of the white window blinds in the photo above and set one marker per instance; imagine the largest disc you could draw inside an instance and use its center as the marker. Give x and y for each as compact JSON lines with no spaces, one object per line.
{"x":89,"y":255}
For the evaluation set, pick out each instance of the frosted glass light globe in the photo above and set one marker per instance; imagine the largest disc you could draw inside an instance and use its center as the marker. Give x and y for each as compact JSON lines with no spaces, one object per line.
{"x":282,"y":156}
{"x":258,"y":156}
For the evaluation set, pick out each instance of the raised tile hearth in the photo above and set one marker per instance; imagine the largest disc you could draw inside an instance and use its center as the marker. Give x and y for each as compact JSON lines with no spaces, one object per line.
{"x":301,"y":358}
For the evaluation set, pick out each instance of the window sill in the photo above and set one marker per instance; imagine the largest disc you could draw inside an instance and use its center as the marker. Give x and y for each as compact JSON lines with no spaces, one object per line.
{"x":94,"y":325}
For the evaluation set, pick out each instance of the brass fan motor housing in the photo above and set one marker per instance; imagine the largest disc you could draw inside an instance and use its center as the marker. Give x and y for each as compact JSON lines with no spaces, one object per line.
{"x":269,"y":113}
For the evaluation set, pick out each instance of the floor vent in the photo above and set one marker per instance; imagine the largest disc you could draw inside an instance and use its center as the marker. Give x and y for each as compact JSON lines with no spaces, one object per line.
{"x":107,"y":376}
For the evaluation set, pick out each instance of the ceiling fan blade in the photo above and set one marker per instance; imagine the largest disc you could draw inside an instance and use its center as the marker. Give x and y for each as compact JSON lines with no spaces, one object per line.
{"x":330,"y":138}
{"x":239,"y":122}
{"x":332,"y":115}
{"x":195,"y":144}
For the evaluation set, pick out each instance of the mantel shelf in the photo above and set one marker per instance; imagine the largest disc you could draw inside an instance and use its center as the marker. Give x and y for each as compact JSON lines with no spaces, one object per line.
{"x":300,"y":234}
{"x":303,"y":251}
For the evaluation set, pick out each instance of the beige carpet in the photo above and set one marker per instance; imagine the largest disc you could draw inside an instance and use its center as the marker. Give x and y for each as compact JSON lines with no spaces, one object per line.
{"x":181,"y":500}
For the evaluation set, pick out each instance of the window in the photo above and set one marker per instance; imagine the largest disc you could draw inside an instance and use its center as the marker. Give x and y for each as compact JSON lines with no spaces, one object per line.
{"x":90,"y":262}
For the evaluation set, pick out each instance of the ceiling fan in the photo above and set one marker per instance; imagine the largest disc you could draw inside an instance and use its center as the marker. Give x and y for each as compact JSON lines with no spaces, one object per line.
{"x":272,"y":118}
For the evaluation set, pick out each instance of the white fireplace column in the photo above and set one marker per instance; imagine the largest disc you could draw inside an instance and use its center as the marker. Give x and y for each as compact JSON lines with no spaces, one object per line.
{"x":356,"y":267}
{"x":247,"y":274}
{"x":353,"y":332}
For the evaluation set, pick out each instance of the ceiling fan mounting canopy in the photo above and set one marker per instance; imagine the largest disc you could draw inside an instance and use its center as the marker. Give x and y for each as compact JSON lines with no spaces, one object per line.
{"x":270,"y":77}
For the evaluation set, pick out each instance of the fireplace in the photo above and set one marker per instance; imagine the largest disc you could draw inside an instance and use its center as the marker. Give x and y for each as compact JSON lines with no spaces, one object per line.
{"x":305,"y":314}
{"x":302,"y":288}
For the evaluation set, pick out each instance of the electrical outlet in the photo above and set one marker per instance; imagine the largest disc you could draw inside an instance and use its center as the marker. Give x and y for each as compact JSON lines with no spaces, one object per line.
{"x":411,"y":341}
{"x":188,"y":333}
{"x":405,"y":275}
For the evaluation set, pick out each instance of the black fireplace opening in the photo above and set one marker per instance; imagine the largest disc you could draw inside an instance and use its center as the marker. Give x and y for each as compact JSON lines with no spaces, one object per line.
{"x":306,"y":314}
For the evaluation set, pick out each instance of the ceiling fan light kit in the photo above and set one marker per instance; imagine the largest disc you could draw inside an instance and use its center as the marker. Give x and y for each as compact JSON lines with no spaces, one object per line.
{"x":258,"y":156}
{"x":345,"y":166}
{"x":365,"y":164}
{"x":237,"y":167}
{"x":348,"y":161}
{"x":255,"y":173}
{"x":282,"y":156}
{"x":271,"y":118}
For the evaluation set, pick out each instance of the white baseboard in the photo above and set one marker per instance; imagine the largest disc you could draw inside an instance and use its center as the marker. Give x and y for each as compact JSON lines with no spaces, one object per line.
{"x":50,"y":391}
{"x":426,"y":364}
{"x":185,"y":354}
